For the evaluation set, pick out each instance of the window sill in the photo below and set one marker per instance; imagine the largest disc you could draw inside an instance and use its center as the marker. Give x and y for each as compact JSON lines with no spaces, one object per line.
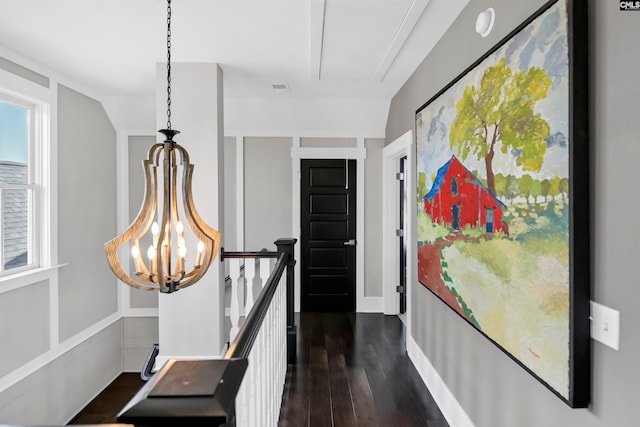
{"x":26,"y":278}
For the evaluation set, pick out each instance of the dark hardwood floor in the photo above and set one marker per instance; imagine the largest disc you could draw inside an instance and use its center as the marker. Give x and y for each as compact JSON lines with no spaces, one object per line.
{"x":352,"y":370}
{"x":104,"y":408}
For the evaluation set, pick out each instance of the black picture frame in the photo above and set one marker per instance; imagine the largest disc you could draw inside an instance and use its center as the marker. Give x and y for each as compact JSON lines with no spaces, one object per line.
{"x":460,"y":206}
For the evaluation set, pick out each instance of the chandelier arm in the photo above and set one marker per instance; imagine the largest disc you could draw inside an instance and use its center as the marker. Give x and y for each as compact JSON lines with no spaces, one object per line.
{"x":144,"y":274}
{"x":209,"y":236}
{"x":149,"y":204}
{"x":138,"y":227}
{"x":163,"y":251}
{"x":150,"y":200}
{"x":120,"y":273}
{"x":197,"y":224}
{"x":174,"y":192}
{"x":178,"y":272}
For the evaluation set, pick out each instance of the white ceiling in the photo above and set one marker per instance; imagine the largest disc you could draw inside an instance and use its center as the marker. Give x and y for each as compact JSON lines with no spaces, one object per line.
{"x":319,"y":48}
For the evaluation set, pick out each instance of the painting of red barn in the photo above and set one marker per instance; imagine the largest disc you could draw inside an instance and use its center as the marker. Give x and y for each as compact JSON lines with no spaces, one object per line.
{"x":459,"y":199}
{"x":502,"y":201}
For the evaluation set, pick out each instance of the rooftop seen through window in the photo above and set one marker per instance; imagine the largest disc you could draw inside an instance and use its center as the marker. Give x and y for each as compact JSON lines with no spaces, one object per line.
{"x":14,"y":181}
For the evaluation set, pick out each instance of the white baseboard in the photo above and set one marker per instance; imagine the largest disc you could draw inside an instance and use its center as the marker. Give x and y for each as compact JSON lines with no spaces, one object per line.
{"x":370,"y":305}
{"x":446,"y":401}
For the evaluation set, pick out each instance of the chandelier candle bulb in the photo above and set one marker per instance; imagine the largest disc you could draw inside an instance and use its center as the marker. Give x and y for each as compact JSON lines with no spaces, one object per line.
{"x":199,"y":254}
{"x":155,"y":232}
{"x":182,"y":252}
{"x":135,"y":253}
{"x":151,"y":253}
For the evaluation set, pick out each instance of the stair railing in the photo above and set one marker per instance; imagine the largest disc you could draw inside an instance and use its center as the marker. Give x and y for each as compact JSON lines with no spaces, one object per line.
{"x":245,"y":387}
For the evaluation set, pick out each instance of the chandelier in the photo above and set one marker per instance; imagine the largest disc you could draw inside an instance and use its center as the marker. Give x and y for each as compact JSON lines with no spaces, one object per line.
{"x":159,"y":231}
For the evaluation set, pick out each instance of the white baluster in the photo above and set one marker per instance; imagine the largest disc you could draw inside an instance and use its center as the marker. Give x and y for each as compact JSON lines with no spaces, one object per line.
{"x":265,"y":271}
{"x":259,"y":374}
{"x":249,"y":274}
{"x":242,"y":403}
{"x":254,"y":390}
{"x":234,"y":273}
{"x":260,"y":397}
{"x":282,"y":338}
{"x":282,"y":328}
{"x":269,"y":361}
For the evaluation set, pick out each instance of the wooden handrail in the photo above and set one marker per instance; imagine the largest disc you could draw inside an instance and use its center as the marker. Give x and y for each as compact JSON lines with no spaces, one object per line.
{"x":255,"y":254}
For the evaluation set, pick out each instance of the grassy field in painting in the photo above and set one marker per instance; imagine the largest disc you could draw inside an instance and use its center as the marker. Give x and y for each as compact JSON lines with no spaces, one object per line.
{"x":516,"y":287}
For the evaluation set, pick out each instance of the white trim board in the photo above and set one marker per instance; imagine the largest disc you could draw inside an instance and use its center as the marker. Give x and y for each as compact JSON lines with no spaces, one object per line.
{"x":390,"y":219}
{"x":391,"y":155}
{"x":363,"y":304}
{"x":41,"y":361}
{"x":451,"y":409}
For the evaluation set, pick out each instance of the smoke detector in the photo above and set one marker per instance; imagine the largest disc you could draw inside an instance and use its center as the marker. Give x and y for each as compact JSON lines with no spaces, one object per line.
{"x":485,"y":21}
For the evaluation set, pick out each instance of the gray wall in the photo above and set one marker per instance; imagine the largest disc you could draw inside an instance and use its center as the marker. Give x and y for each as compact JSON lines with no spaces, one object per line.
{"x":138,"y":335}
{"x":373,"y":218}
{"x":267,"y":191}
{"x":56,"y":358}
{"x":231,"y":194}
{"x":17,"y":348}
{"x":492,"y":389}
{"x":87,"y":219}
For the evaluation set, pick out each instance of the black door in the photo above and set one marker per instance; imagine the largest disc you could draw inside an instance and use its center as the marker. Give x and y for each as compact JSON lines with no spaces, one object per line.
{"x":328,"y":231}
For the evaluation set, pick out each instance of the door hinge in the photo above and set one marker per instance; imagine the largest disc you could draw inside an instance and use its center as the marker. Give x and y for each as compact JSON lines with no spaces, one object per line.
{"x":400,"y":232}
{"x":400,"y":289}
{"x":400,"y":176}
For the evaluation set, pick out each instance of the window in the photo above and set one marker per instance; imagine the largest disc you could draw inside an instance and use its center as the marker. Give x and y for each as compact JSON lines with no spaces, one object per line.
{"x":18,"y":124}
{"x":454,"y":186}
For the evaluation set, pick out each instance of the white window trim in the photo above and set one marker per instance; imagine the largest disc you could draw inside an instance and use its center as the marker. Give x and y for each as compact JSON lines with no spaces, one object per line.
{"x":42,"y":156}
{"x":33,"y":181}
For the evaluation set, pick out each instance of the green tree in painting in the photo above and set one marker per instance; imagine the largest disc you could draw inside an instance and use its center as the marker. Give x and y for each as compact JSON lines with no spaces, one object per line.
{"x":545,"y":186}
{"x":511,"y":189}
{"x":526,"y":186}
{"x":536,"y":190}
{"x":554,"y":189}
{"x":500,"y":184}
{"x":501,"y":110}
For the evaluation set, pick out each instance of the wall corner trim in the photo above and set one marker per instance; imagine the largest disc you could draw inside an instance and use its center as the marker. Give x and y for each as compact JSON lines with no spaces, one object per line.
{"x":446,"y":401}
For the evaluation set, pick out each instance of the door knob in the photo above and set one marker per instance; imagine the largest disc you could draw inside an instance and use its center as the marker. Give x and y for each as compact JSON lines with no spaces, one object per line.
{"x":351,"y":242}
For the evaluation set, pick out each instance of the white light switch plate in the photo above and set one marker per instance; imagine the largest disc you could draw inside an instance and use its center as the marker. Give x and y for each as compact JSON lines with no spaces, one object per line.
{"x":605,"y":325}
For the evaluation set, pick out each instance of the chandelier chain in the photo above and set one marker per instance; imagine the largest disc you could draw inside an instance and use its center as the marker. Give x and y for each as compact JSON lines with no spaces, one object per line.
{"x":169,"y":64}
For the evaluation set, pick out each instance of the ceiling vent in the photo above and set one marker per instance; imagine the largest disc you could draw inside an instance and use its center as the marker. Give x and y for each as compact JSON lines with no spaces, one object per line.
{"x":280,"y":88}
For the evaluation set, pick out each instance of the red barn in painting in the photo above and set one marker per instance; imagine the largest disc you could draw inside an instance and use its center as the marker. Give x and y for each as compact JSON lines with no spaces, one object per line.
{"x":458,"y":198}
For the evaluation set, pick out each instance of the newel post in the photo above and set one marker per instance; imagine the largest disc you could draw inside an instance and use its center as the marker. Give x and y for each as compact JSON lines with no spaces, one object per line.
{"x":286,"y":246}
